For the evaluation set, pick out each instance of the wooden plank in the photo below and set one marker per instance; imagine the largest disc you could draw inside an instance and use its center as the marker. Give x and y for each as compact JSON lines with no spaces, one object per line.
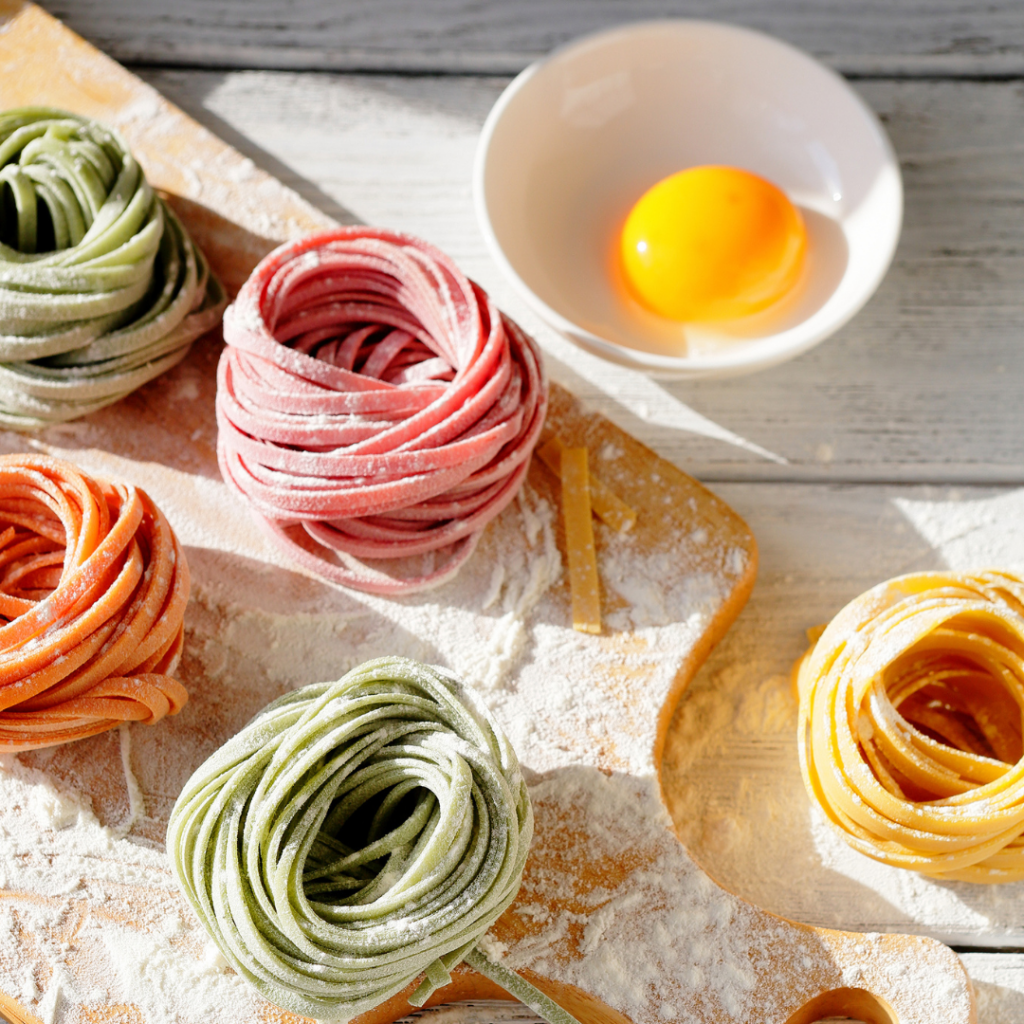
{"x":730,"y":767}
{"x":923,"y":385}
{"x":998,"y":983}
{"x":876,"y":37}
{"x":612,"y":919}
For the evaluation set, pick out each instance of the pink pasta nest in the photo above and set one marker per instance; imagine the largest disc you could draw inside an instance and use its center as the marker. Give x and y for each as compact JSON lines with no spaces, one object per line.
{"x":374,"y":405}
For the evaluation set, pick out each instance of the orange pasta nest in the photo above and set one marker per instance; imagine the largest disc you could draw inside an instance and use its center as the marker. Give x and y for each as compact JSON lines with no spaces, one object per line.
{"x":93,"y":588}
{"x":911,"y":707}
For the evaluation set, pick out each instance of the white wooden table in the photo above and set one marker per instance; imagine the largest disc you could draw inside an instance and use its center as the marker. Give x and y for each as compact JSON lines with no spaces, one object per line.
{"x":896,"y":445}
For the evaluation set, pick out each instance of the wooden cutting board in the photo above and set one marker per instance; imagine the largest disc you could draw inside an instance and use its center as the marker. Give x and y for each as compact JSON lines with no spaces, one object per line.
{"x":614,"y":919}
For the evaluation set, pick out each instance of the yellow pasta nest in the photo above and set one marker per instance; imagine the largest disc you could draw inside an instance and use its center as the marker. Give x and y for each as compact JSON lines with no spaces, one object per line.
{"x":911,"y":706}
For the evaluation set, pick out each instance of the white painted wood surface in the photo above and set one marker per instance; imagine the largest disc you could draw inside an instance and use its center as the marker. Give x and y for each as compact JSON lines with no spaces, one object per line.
{"x":896,"y":445}
{"x":923,"y":385}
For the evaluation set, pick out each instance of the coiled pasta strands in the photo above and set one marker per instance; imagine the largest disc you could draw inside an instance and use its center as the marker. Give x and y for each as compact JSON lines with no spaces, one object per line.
{"x":911,"y":713}
{"x":93,"y":588}
{"x":101,"y":288}
{"x":356,"y":836}
{"x":373,"y":405}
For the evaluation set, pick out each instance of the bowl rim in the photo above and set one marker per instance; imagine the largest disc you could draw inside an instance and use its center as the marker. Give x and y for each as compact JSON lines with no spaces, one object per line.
{"x":733,"y":361}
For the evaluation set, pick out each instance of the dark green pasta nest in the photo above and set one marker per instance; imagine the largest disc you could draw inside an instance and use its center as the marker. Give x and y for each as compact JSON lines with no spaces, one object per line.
{"x":101,"y":288}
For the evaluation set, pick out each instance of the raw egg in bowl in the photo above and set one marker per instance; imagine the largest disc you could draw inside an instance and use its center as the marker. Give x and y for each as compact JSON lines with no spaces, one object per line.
{"x":688,"y":198}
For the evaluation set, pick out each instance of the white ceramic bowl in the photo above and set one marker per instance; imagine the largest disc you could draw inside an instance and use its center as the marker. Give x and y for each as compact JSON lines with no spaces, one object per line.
{"x":578,"y":137}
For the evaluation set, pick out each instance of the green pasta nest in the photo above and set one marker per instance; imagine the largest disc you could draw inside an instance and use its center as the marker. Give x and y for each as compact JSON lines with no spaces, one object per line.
{"x":354,"y":836}
{"x":101,"y":288}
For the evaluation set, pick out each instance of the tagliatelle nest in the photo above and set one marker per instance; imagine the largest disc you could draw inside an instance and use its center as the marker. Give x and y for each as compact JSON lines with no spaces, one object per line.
{"x":101,"y":288}
{"x":911,"y":711}
{"x":93,"y":588}
{"x":373,"y":404}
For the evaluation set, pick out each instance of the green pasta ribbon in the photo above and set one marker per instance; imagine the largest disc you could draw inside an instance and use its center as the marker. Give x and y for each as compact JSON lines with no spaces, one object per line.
{"x":101,"y":288}
{"x":355,"y":836}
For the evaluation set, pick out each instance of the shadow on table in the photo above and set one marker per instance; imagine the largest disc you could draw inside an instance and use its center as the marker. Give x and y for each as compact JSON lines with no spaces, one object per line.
{"x":191,"y":101}
{"x":998,"y":1004}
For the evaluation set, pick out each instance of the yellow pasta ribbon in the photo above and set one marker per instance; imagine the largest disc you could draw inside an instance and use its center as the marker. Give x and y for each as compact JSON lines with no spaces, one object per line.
{"x":579,"y":541}
{"x":604,"y":502}
{"x":911,"y":714}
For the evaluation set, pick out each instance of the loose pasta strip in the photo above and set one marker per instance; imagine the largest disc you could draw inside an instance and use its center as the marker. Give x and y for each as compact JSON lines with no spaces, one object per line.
{"x":93,"y":588}
{"x":911,"y":715}
{"x":584,"y":586}
{"x":356,"y":836}
{"x":606,"y":504}
{"x":373,"y":404}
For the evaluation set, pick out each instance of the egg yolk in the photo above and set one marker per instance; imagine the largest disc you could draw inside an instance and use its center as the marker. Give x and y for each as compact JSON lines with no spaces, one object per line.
{"x":712,"y":243}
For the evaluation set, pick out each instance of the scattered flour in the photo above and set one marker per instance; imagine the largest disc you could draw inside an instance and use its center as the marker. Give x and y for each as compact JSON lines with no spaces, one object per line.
{"x":693,"y":945}
{"x":70,"y":905}
{"x":136,"y":798}
{"x":92,"y":915}
{"x":101,"y":921}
